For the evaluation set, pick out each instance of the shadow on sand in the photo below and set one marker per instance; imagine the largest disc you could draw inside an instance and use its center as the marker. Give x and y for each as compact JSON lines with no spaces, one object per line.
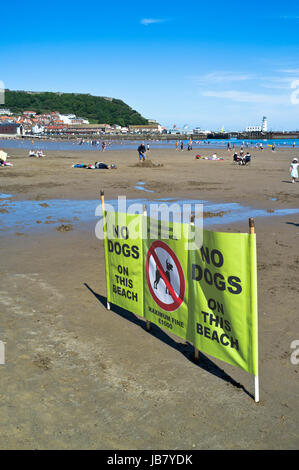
{"x":292,"y":223}
{"x":184,"y":348}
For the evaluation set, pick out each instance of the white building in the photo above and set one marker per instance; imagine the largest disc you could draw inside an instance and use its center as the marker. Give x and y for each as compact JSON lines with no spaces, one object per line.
{"x":253,"y":129}
{"x":262,"y":128}
{"x":72,"y":119}
{"x":200,"y":131}
{"x":5,"y":111}
{"x":67,"y":118}
{"x":37,"y":129}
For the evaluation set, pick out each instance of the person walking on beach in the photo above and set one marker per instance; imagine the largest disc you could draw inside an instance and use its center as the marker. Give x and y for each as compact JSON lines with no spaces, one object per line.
{"x":141,"y":152}
{"x":103,"y":146}
{"x":294,"y":170}
{"x":182,"y":145}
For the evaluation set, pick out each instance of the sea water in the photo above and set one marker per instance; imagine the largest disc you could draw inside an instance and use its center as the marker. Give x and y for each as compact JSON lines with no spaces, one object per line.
{"x":44,"y":144}
{"x":41,"y":216}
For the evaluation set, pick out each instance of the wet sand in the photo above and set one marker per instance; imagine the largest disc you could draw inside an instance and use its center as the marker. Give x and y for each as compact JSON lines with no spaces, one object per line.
{"x":80,"y":377}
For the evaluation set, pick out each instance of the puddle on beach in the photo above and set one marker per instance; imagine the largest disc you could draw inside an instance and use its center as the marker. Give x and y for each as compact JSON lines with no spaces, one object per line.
{"x":141,"y":186}
{"x":41,"y":216}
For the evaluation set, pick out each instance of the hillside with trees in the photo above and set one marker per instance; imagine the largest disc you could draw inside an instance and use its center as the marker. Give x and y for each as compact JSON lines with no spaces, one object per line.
{"x":98,"y":110}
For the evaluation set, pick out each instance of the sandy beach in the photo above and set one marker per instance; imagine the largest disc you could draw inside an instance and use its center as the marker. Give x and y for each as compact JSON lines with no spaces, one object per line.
{"x":78,"y":376}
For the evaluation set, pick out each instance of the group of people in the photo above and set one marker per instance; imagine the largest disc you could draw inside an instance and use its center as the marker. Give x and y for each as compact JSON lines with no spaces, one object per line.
{"x":96,"y":166}
{"x":94,"y":143}
{"x":180,"y":145}
{"x":242,"y":159}
{"x":38,"y":153}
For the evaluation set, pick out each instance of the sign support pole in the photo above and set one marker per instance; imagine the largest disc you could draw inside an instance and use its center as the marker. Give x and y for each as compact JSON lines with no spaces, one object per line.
{"x":104,"y":223}
{"x":256,"y":377}
{"x":196,"y":351}
{"x":147,"y":323}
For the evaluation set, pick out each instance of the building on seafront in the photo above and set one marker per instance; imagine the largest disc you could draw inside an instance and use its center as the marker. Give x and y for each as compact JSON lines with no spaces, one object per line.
{"x":11,"y":129}
{"x":5,"y":111}
{"x":253,"y":129}
{"x":145,"y":129}
{"x":262,"y":128}
{"x":265,"y":124}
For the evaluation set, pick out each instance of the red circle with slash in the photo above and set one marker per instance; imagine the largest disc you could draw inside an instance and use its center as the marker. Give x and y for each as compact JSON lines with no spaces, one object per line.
{"x":177,"y":297}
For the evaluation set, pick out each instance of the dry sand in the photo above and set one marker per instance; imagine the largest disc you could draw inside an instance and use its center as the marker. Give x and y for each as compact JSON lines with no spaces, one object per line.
{"x":78,"y":376}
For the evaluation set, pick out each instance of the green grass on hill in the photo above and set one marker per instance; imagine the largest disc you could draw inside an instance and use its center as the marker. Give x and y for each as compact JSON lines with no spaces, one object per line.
{"x":97,"y":109}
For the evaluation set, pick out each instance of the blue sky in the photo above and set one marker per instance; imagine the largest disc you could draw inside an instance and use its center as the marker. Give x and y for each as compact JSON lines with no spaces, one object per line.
{"x":206,"y":64}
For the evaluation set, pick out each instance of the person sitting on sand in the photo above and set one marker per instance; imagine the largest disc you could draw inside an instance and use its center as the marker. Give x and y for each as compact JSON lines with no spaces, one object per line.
{"x":242,"y":159}
{"x":3,"y":156}
{"x":247,"y":158}
{"x":294,"y":170}
{"x":236,"y":158}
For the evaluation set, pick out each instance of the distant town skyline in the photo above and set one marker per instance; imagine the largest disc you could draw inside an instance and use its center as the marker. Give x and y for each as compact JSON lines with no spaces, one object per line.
{"x":5,"y":111}
{"x":176,"y":64}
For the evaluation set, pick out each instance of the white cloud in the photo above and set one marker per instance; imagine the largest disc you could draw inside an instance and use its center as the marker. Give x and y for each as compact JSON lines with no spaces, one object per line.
{"x":248,"y":87}
{"x":222,"y":76}
{"x":290,"y":71}
{"x":273,"y":86}
{"x":247,"y":97}
{"x":290,"y":17}
{"x":148,"y":21}
{"x":282,"y":83}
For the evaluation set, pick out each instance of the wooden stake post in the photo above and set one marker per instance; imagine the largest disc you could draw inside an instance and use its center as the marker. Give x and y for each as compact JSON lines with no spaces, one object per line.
{"x":104,"y":221}
{"x":147,"y":322}
{"x":196,"y":351}
{"x":256,"y":377}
